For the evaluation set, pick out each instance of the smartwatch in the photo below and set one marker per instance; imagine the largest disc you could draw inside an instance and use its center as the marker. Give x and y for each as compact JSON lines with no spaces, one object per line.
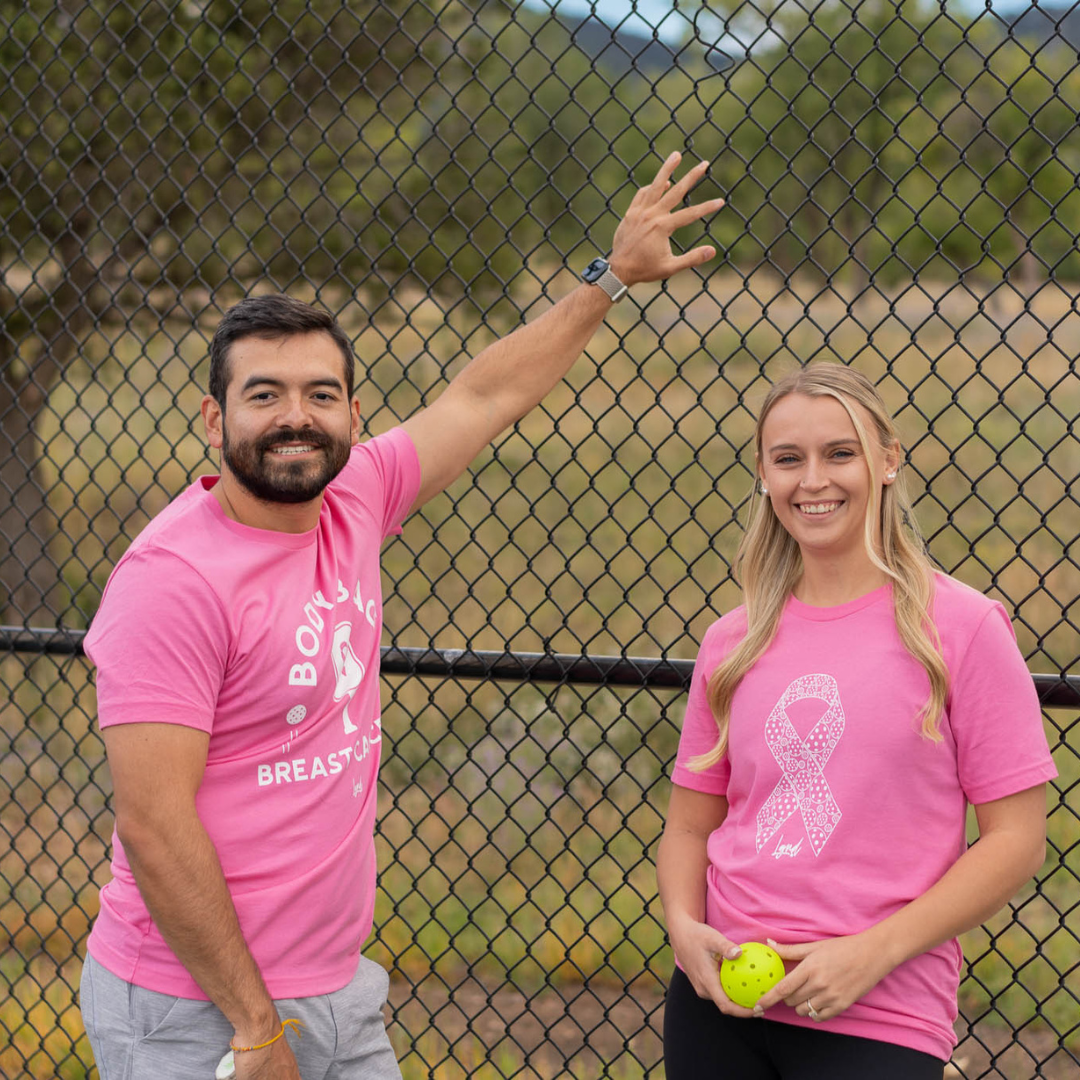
{"x":598,"y":272}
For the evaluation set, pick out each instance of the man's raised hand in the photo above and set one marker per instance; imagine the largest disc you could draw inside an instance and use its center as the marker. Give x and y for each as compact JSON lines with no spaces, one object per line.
{"x":641,"y":249}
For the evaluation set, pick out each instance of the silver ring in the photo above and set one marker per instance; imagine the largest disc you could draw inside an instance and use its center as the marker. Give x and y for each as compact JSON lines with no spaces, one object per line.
{"x":811,"y":1011}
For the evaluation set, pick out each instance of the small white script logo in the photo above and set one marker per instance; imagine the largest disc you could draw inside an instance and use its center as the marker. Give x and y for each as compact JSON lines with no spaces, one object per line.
{"x":790,"y":850}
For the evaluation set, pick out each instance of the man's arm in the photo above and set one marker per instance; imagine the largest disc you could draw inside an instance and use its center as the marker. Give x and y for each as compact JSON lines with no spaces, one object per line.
{"x":156,"y":771}
{"x":513,"y":375}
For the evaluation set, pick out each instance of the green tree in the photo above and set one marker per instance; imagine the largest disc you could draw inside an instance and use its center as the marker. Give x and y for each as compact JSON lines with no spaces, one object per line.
{"x":149,"y":149}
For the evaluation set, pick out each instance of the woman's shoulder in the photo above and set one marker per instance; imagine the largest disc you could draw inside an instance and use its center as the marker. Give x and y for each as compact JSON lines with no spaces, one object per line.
{"x":725,"y":633}
{"x":956,"y":602}
{"x":959,"y":611}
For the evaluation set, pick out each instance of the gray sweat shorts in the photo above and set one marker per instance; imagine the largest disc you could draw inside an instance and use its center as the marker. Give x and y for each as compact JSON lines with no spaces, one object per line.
{"x":137,"y":1034}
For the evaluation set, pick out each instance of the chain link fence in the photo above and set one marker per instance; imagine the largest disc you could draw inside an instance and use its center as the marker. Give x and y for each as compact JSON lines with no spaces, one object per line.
{"x":901,"y":192}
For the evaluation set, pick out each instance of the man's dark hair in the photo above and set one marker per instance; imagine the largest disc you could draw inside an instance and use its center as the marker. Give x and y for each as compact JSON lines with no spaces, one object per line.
{"x":272,"y":316}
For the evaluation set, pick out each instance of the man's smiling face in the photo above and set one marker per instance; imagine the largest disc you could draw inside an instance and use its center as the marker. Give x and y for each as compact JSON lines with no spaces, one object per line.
{"x":288,"y":424}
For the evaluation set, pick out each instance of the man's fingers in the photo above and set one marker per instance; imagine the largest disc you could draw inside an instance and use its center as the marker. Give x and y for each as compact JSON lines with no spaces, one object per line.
{"x":696,"y":257}
{"x":694,"y":213}
{"x":681,"y":189}
{"x":662,"y":180}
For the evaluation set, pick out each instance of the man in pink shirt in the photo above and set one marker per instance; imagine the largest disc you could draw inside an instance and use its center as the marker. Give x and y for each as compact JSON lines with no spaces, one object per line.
{"x":237,"y":655}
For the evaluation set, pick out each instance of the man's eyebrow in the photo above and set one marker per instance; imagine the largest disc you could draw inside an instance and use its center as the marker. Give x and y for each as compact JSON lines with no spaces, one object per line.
{"x":268,"y":380}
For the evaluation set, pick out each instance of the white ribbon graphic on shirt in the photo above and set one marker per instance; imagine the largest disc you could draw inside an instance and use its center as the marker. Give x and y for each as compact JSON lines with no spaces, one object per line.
{"x":803,"y":786}
{"x":348,"y":671}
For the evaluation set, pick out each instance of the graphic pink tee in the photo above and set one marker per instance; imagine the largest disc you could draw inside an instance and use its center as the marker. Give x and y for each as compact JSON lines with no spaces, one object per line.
{"x":840,"y":812}
{"x":269,"y":642}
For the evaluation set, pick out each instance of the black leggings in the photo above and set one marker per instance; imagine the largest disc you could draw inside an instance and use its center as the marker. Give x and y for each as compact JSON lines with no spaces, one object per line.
{"x":702,"y":1043}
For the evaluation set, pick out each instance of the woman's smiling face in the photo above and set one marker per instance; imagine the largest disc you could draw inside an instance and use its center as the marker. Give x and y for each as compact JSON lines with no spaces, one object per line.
{"x":817,"y":475}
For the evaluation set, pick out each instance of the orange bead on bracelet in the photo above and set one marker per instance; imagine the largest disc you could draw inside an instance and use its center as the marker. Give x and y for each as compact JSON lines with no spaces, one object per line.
{"x":297,"y":1025}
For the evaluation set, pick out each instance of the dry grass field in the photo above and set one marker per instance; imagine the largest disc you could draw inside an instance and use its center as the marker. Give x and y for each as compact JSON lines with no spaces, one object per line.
{"x":519,"y":822}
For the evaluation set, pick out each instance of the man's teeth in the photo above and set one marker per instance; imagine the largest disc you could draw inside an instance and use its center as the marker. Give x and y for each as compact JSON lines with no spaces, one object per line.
{"x":818,"y":508}
{"x":292,"y":449}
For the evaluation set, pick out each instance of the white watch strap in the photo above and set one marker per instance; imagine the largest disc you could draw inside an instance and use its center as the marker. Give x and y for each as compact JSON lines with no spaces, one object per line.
{"x":615,"y":289}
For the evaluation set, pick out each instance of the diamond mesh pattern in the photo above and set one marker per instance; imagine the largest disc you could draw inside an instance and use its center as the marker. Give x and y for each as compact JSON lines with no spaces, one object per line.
{"x":901,"y":196}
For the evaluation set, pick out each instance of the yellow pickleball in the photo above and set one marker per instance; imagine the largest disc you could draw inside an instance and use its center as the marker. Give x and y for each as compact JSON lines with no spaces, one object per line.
{"x":756,"y":970}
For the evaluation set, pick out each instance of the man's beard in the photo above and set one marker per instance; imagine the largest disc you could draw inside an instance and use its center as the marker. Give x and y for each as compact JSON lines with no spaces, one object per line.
{"x":276,"y":479}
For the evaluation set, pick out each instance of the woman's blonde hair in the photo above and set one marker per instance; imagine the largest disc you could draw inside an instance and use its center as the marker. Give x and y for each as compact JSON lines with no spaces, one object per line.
{"x":768,"y":562}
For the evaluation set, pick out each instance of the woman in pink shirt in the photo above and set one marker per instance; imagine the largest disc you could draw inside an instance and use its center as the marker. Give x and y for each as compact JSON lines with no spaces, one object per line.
{"x":838,"y":726}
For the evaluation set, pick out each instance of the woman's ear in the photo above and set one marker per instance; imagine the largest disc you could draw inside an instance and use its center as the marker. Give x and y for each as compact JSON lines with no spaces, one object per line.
{"x":892,"y":462}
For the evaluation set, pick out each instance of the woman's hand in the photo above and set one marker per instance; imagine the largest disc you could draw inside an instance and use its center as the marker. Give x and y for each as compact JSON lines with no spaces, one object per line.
{"x":828,"y":977}
{"x":699,"y":949}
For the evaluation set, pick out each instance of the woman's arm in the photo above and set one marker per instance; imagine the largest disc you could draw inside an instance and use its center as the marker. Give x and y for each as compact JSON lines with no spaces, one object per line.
{"x":681,"y":864}
{"x":837,"y":971}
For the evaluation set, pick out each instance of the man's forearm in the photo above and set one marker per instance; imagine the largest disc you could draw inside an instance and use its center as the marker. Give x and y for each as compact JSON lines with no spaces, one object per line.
{"x":181,"y":881}
{"x":513,"y":374}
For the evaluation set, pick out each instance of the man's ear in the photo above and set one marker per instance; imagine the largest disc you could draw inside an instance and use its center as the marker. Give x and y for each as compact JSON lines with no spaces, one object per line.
{"x":213,"y":421}
{"x":354,"y":426}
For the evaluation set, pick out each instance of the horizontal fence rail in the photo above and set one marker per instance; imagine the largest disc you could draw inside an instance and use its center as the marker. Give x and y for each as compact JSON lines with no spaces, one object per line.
{"x":1055,"y":691}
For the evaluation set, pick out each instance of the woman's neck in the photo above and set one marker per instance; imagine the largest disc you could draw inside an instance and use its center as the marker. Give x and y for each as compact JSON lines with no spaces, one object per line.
{"x":828,"y":582}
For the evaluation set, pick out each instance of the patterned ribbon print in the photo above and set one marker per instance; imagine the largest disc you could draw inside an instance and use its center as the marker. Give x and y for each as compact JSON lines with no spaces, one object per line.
{"x":803,"y":786}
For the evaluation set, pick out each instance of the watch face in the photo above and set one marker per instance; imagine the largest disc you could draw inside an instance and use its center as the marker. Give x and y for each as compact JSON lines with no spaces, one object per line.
{"x":595,"y":270}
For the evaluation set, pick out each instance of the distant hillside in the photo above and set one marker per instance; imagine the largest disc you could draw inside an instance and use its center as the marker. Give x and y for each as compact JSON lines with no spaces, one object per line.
{"x":1045,"y":22}
{"x":1040,"y":24}
{"x":620,"y":50}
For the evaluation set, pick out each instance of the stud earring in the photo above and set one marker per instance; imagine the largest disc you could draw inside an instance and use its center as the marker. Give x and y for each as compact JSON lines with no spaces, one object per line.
{"x":890,"y":476}
{"x":764,"y":490}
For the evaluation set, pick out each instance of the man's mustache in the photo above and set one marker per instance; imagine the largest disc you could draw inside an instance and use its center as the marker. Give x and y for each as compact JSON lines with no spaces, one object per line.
{"x":281,"y":438}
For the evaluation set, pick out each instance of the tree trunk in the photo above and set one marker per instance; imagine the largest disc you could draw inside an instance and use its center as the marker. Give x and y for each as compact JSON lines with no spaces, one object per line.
{"x":30,"y":581}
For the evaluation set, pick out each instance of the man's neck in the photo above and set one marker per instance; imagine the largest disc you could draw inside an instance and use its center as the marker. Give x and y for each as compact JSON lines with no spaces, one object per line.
{"x":241,"y":506}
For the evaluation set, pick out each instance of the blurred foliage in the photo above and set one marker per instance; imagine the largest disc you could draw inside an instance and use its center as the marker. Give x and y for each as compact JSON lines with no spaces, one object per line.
{"x":208,"y":144}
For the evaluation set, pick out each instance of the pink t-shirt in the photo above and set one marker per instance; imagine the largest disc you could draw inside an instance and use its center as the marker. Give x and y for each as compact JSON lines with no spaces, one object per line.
{"x":840,"y":812}
{"x":268,"y":641}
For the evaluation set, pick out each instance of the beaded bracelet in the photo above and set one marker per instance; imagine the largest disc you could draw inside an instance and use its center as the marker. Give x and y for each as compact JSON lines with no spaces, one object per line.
{"x":297,"y":1025}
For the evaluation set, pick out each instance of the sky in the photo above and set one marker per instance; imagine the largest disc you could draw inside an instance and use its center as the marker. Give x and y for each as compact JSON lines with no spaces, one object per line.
{"x":641,"y":16}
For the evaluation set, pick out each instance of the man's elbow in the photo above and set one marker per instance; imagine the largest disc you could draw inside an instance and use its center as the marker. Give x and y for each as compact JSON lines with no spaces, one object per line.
{"x":145,"y":828}
{"x":137,"y":832}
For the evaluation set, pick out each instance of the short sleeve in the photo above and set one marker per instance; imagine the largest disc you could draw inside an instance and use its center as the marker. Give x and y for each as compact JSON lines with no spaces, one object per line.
{"x":160,"y":644}
{"x":699,"y":731}
{"x":385,"y":473}
{"x":995,"y":717}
